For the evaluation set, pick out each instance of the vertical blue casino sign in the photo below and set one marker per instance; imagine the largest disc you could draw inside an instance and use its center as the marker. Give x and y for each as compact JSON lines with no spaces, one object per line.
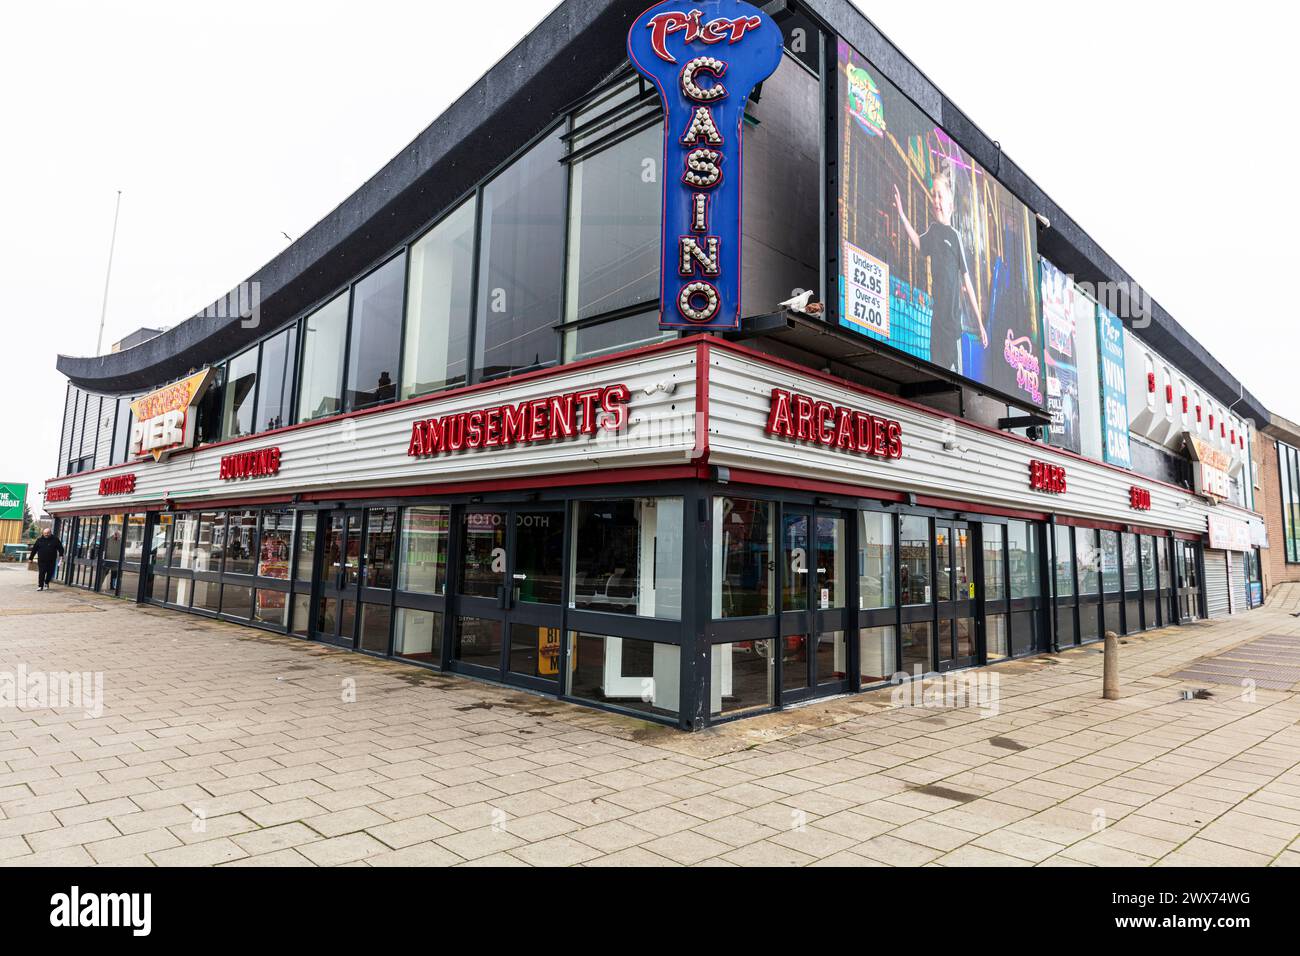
{"x":705,"y":57}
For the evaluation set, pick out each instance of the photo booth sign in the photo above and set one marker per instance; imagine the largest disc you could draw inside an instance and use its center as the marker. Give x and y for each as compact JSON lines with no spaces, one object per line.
{"x":704,"y":57}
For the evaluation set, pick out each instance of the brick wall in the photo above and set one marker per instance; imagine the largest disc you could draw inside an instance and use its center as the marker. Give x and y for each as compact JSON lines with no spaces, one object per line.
{"x":1273,"y":560}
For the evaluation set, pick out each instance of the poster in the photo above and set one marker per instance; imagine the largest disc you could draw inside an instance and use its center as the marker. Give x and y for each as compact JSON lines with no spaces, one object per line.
{"x":1114,"y":391}
{"x":937,"y":258}
{"x":1061,"y":356}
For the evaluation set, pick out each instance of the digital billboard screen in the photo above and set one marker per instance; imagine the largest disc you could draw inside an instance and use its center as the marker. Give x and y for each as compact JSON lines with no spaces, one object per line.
{"x":938,"y":259}
{"x":1061,"y":355}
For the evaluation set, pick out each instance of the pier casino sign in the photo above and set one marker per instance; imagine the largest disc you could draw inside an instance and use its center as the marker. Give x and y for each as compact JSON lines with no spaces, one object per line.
{"x":704,"y":57}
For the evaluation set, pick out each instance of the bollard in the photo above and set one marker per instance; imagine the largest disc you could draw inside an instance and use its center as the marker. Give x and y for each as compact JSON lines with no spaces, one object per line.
{"x":1110,"y":669}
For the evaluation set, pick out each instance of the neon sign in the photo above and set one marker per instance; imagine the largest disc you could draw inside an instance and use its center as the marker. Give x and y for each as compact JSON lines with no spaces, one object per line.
{"x":704,"y":57}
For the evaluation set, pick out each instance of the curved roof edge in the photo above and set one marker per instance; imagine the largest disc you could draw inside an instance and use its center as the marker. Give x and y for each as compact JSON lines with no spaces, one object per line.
{"x":513,"y":102}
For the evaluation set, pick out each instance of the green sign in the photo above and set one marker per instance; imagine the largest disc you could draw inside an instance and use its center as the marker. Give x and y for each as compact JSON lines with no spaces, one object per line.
{"x":12,"y":498}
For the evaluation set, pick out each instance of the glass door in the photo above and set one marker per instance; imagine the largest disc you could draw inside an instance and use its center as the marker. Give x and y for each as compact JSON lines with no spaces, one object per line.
{"x":340,"y":577}
{"x":814,"y":603}
{"x":916,"y":595}
{"x":955,"y":594}
{"x":509,"y":589}
{"x":1189,"y":580}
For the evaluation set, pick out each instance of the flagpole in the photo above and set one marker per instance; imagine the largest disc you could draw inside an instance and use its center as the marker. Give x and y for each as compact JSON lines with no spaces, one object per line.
{"x":112,"y":244}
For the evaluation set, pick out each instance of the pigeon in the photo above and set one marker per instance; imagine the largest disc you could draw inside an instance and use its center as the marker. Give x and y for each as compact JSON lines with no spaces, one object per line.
{"x":799,"y":303}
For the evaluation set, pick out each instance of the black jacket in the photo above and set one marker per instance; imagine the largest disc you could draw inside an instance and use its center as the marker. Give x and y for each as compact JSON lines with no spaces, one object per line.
{"x":47,"y":550}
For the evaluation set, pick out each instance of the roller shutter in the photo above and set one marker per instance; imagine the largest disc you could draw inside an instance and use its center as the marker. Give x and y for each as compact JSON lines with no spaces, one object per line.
{"x":1240,"y":590}
{"x":1216,"y":583}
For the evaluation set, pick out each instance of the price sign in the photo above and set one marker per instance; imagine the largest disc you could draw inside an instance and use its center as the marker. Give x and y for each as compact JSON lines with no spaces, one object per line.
{"x":866,"y":285}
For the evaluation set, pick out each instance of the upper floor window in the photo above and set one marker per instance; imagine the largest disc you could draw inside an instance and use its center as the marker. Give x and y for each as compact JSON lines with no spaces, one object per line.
{"x":275,"y":380}
{"x":240,"y":394}
{"x":438,"y":305}
{"x":375,"y":336}
{"x":521,"y":264}
{"x":614,"y":213}
{"x":324,"y":338}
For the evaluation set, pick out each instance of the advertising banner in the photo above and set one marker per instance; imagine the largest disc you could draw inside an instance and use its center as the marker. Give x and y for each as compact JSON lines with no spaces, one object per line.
{"x":704,"y":57}
{"x":1228,"y":534}
{"x":1114,"y":391}
{"x":937,"y":258}
{"x":13,"y":496}
{"x":1061,"y":355}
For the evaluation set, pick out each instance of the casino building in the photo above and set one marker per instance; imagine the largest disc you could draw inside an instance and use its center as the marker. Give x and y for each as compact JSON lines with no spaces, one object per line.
{"x":538,"y":405}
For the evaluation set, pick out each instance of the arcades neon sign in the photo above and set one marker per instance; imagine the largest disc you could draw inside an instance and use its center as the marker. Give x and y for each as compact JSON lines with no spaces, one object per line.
{"x":705,"y":58}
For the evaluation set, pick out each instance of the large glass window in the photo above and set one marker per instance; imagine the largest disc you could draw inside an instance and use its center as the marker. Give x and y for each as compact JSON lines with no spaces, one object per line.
{"x":878,"y":659}
{"x":1064,"y":563}
{"x":276,"y":548}
{"x":1288,"y":460}
{"x":614,"y":211}
{"x":424,"y":544}
{"x":831,"y":589}
{"x":378,"y":569}
{"x":1022,"y":556}
{"x":742,"y":678}
{"x":241,"y":390}
{"x":1089,"y":557}
{"x":241,"y":543}
{"x":324,"y":340}
{"x":438,"y":303}
{"x":629,"y":674}
{"x":1110,"y":561}
{"x":1131,"y":579}
{"x":1148,"y":557}
{"x":275,"y":392}
{"x":627,"y":557}
{"x":417,"y":635}
{"x":306,"y":556}
{"x":113,"y":539}
{"x":914,"y":560}
{"x":875,"y":560}
{"x":743,"y":568}
{"x":376,"y":336}
{"x":995,"y":563}
{"x":521,"y":263}
{"x":186,"y":536}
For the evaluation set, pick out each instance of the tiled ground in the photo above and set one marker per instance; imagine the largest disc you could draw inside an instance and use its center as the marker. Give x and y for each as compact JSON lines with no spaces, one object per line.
{"x":223,"y":745}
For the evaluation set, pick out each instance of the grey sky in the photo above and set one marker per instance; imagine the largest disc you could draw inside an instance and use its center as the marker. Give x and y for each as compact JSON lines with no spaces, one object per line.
{"x":1165,"y":136}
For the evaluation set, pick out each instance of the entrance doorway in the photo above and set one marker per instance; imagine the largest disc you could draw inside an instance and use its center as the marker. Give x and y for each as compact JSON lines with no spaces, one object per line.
{"x":1189,"y":580}
{"x":955,"y":588}
{"x":356,"y":578}
{"x":509,"y":593}
{"x":814,"y":603}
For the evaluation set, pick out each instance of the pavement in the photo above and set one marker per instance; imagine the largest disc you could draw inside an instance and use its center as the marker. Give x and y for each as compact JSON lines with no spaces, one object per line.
{"x":214,"y":744}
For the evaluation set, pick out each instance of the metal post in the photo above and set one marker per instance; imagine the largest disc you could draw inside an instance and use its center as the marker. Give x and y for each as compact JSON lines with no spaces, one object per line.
{"x":1110,"y":669}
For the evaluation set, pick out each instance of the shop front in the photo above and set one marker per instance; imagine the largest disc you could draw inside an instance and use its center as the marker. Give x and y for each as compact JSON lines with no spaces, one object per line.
{"x":691,"y":531}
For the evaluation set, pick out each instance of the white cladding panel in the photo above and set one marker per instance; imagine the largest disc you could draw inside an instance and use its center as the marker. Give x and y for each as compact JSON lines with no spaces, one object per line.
{"x":369,"y":450}
{"x":983,"y":467}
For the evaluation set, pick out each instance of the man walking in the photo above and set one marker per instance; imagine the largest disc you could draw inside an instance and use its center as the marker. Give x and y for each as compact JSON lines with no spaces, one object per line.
{"x":47,"y":550}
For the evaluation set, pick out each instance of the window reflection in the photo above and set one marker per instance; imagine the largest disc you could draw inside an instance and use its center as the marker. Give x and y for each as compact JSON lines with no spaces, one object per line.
{"x":324,"y":341}
{"x":375,"y":336}
{"x":914,"y":559}
{"x":521,"y":263}
{"x":876,"y":559}
{"x":627,"y":557}
{"x":743,"y":566}
{"x":438,"y":303}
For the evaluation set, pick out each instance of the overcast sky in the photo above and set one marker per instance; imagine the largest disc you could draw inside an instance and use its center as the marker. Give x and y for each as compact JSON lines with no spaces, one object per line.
{"x":226,"y":125}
